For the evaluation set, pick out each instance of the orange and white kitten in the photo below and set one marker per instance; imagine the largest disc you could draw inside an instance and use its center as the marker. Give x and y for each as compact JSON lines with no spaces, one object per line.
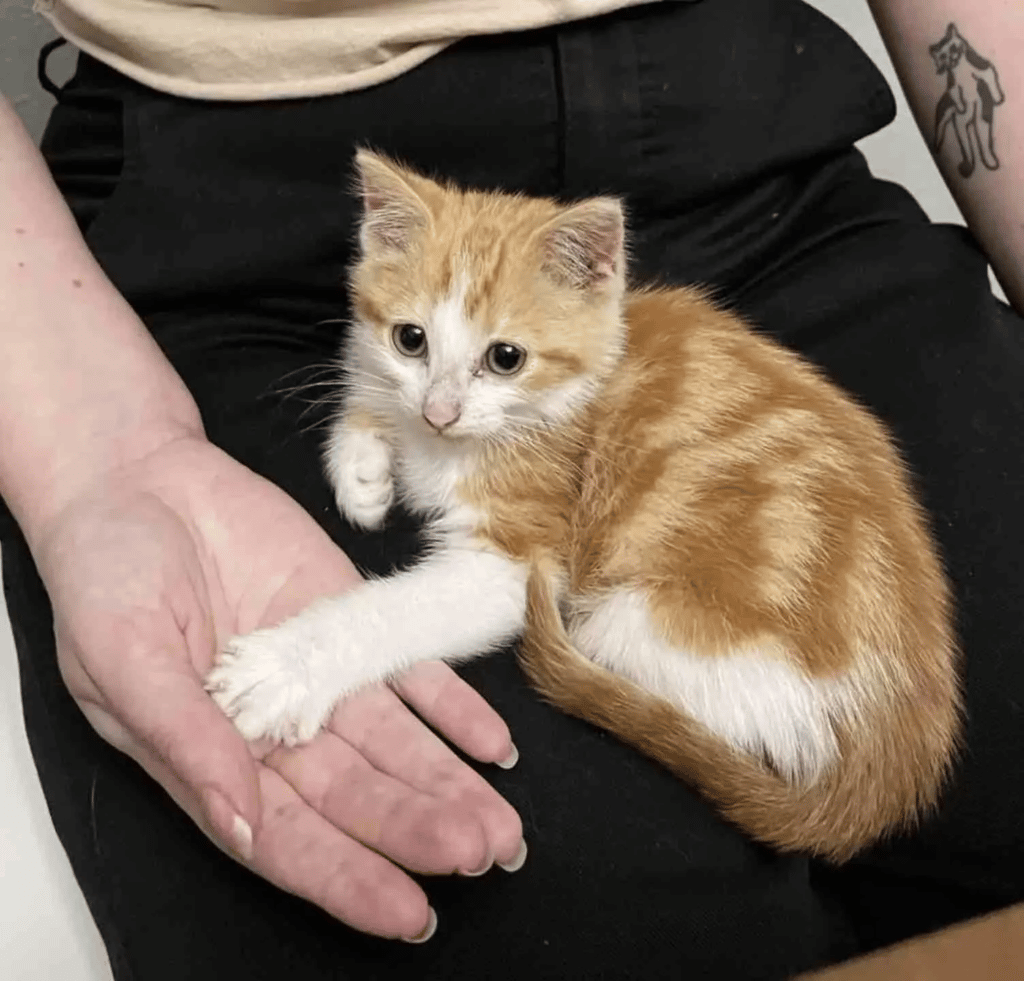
{"x":709,"y":550}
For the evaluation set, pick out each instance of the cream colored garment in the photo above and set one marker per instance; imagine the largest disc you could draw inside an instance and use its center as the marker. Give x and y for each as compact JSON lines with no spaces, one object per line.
{"x":274,"y":49}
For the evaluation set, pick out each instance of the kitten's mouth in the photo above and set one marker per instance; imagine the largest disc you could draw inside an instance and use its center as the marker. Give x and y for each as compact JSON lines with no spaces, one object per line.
{"x":446,"y":432}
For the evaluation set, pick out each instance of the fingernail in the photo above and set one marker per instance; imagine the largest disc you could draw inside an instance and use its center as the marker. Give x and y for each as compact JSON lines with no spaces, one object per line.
{"x":428,"y":931}
{"x":241,"y":837}
{"x":488,"y":862}
{"x":518,"y":862}
{"x":511,"y":761}
{"x":225,"y":822}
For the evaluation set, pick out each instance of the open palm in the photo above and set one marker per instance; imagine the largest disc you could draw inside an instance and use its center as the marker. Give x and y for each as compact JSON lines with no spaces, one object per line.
{"x":149,"y":575}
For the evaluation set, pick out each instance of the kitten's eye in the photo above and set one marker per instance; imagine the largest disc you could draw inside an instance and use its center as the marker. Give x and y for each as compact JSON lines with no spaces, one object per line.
{"x":410,"y":340}
{"x":505,"y":359}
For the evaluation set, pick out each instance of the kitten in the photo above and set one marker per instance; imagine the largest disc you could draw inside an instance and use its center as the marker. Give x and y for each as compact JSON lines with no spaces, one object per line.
{"x":709,"y":550}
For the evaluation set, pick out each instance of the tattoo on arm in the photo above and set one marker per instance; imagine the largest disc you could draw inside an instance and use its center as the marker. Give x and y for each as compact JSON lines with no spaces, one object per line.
{"x":968,"y":104}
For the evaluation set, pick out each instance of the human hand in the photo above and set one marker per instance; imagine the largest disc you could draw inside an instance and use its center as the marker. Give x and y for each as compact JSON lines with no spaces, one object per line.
{"x":150,"y":571}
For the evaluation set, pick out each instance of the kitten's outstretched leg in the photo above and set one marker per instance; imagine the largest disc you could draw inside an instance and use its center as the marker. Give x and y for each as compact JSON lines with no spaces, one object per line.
{"x":283,"y":682}
{"x":359,"y":465}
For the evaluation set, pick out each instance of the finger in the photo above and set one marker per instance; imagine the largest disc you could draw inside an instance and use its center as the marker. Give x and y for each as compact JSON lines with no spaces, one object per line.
{"x":416,"y":830}
{"x":213,"y":816}
{"x":382,"y":729}
{"x":302,"y":852}
{"x":458,"y":711}
{"x":161,"y":701}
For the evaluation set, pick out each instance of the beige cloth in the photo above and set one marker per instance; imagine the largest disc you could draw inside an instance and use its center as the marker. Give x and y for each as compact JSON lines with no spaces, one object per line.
{"x":273,"y":49}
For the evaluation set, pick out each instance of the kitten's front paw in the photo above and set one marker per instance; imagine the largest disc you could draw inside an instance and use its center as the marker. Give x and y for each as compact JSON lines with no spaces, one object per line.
{"x":265,"y":682}
{"x":363,"y":484}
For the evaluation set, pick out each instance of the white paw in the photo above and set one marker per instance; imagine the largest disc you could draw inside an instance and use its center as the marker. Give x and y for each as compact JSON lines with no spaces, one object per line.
{"x":361,"y":471}
{"x":266,"y":682}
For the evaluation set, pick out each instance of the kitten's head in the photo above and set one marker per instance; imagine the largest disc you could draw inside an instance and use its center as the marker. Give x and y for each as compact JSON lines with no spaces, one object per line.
{"x":481,"y":315}
{"x":948,"y":52}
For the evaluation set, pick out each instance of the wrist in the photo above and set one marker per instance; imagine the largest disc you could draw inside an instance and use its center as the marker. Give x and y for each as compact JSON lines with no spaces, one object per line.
{"x":89,"y":465}
{"x":86,"y":391}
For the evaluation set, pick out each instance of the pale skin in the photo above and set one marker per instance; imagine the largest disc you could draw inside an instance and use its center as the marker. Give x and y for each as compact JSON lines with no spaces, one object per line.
{"x":155,"y":547}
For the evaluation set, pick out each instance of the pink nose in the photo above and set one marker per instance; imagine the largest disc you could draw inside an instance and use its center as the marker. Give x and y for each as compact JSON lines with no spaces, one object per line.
{"x":441,"y":413}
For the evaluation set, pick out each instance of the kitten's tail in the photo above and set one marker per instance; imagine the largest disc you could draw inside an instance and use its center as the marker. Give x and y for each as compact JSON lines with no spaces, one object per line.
{"x":843,"y":812}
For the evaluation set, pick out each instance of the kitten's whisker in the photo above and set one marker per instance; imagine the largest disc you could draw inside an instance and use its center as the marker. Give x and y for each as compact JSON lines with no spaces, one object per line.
{"x":317,"y":404}
{"x":299,"y":390}
{"x":313,"y":366}
{"x":313,"y":427}
{"x":287,"y":391}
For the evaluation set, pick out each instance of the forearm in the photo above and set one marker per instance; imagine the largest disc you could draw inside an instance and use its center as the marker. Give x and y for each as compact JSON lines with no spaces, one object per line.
{"x":83,"y":386}
{"x":969,"y":104}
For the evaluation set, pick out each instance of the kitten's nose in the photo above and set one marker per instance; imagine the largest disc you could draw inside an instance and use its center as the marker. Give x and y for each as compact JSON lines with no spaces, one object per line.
{"x":442,"y":412}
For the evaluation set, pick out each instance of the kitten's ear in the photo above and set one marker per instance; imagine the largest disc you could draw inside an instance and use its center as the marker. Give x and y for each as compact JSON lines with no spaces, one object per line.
{"x":393,"y":212}
{"x":585,"y":246}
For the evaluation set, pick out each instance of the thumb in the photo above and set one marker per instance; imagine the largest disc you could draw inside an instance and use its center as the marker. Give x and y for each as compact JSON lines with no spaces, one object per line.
{"x":187,"y":744}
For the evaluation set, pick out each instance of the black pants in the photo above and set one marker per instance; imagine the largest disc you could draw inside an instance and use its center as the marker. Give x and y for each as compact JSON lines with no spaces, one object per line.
{"x":728,"y":127}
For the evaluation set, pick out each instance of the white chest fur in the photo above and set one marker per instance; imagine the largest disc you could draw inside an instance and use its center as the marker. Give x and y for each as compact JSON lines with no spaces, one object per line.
{"x":430,"y":473}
